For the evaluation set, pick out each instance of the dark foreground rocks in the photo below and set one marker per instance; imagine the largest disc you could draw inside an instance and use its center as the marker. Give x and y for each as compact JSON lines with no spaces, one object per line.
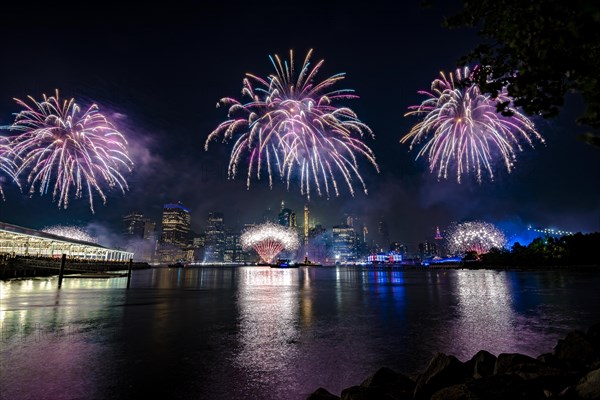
{"x":570,"y":372}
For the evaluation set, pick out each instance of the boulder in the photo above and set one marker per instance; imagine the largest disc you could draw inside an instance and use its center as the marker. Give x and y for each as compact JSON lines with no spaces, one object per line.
{"x":481,"y":365}
{"x":390,"y":382}
{"x":442,"y":371}
{"x":593,"y":335}
{"x":509,"y":360}
{"x":364,"y":393}
{"x":454,"y":392}
{"x":503,"y":387}
{"x":550,"y":360}
{"x":588,"y":387}
{"x":322,"y":394}
{"x":575,"y":351}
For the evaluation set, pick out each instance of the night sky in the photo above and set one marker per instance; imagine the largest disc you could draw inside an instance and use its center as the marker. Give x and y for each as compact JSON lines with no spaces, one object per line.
{"x":158,"y":71}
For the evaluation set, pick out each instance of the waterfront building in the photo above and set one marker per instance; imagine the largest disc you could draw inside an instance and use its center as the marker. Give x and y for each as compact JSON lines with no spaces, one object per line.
{"x":233,"y":252}
{"x":214,"y":250}
{"x":17,"y":241}
{"x":399,"y":248}
{"x":344,"y":243}
{"x":176,"y":225}
{"x":427,"y":249}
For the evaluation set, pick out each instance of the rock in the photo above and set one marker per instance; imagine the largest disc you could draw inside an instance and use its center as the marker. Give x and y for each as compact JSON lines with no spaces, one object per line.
{"x":550,"y":360}
{"x":322,"y":394}
{"x":442,"y":371}
{"x":391,"y":383}
{"x":575,"y":350}
{"x":364,"y":393}
{"x":593,"y":335}
{"x":454,"y":392}
{"x":543,"y":377}
{"x":588,"y":387}
{"x":508,"y":360}
{"x":502,"y":387}
{"x":481,"y":365}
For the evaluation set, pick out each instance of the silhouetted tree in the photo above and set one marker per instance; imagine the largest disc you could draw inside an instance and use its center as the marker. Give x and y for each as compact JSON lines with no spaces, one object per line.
{"x":540,"y":50}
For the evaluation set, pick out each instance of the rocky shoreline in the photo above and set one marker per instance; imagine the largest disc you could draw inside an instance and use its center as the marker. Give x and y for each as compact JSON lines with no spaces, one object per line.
{"x":570,"y":372}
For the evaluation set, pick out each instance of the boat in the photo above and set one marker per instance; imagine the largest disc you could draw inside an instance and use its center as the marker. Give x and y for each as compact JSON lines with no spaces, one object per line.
{"x":308,"y":263}
{"x":284,"y":263}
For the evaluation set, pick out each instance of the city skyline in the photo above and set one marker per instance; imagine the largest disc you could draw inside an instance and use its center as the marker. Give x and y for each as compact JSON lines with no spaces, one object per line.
{"x":160,"y":91}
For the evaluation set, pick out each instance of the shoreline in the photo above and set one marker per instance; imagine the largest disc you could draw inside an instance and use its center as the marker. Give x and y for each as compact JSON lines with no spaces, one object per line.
{"x":50,"y":268}
{"x":571,"y":372}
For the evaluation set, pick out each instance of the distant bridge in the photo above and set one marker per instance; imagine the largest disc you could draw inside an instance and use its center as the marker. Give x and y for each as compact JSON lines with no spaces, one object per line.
{"x":19,"y":241}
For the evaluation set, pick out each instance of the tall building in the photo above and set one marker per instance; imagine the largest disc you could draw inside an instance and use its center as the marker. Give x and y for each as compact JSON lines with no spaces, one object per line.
{"x":139,"y":234}
{"x":286,"y":216}
{"x":149,"y":229}
{"x":384,"y":235}
{"x":233,"y":248}
{"x":427,"y":249}
{"x":176,"y":224}
{"x":306,"y":215}
{"x":344,"y":243}
{"x":133,"y":225}
{"x":439,"y":242}
{"x":214,"y":250}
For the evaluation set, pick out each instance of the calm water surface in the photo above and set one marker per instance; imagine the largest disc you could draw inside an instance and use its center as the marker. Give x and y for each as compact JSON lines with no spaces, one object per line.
{"x":262,"y":333}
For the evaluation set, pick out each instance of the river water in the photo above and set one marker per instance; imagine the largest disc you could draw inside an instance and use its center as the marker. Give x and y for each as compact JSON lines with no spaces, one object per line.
{"x":262,"y":333}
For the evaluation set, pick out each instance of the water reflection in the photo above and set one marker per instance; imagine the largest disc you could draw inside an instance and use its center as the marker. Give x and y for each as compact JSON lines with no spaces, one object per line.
{"x":268,"y":322}
{"x":50,"y":336}
{"x":262,"y":333}
{"x":485,"y":319}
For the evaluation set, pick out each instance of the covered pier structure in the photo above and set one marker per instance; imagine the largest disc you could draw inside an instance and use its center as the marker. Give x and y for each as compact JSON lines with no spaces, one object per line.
{"x":25,"y":242}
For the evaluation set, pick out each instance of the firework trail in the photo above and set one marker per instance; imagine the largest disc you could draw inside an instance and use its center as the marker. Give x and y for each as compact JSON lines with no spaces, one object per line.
{"x":269,"y":240}
{"x":291,"y":125}
{"x":462,"y":129}
{"x":475,"y":236}
{"x":70,"y":150}
{"x":7,"y":166}
{"x":70,"y":232}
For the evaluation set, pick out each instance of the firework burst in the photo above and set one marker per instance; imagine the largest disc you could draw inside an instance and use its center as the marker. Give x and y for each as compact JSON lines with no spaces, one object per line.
{"x":59,"y":146}
{"x":269,"y":240}
{"x":291,"y":125}
{"x":463,"y":131}
{"x":7,"y":166}
{"x":475,"y":236}
{"x":70,"y":232}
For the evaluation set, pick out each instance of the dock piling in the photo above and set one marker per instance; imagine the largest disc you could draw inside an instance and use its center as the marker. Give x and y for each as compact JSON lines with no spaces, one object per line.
{"x":62,"y":270}
{"x":129,"y":272}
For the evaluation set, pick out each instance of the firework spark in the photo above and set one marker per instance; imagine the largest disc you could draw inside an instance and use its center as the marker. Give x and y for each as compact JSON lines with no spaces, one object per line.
{"x":70,"y":232}
{"x":475,"y":236}
{"x":291,"y":123}
{"x":462,"y":129}
{"x":61,"y":146}
{"x":7,"y":166}
{"x":269,"y":240}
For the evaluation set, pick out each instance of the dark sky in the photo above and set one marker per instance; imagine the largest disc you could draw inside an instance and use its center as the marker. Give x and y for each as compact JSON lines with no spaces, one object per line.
{"x":158,"y":71}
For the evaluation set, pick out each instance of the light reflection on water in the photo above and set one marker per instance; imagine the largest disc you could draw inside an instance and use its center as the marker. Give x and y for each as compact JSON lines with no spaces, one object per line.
{"x":263,"y":333}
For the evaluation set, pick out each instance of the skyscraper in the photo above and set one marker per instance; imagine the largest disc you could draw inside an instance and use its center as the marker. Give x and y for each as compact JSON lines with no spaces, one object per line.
{"x":286,"y":216}
{"x":133,"y":225}
{"x":306,"y":214}
{"x":176,"y":223}
{"x":233,"y":248}
{"x":344,"y":243}
{"x":215,"y":238}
